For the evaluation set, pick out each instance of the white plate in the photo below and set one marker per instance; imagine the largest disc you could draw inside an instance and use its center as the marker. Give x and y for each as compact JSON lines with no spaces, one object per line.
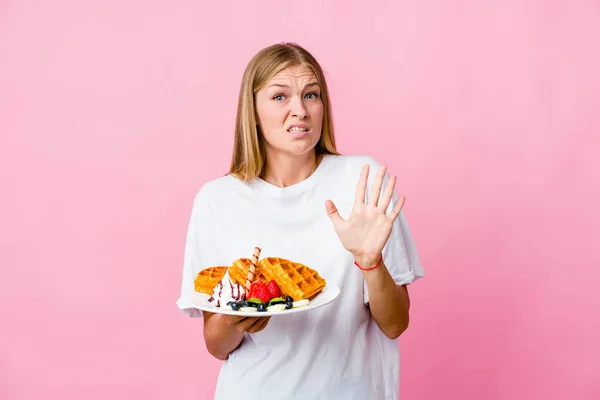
{"x":327,"y":295}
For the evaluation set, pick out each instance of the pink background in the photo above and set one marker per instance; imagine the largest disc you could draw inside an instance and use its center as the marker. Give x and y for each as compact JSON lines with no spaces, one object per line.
{"x":488,"y":112}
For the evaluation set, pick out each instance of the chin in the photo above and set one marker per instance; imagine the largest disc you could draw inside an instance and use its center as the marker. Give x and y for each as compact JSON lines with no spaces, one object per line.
{"x":300,"y":149}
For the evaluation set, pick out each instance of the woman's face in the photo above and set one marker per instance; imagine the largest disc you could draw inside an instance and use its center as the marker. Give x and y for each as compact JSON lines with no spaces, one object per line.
{"x":290,"y":111}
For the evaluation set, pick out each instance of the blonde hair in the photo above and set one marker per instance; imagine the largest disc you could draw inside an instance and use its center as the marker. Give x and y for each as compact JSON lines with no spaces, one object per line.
{"x":248,"y":159}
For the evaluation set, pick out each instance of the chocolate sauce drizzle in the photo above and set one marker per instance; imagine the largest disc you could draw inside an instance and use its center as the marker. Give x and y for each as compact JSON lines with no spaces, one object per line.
{"x":236,"y":293}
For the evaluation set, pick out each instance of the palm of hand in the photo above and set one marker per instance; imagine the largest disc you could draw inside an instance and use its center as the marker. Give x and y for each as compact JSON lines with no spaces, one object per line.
{"x":368,"y":227}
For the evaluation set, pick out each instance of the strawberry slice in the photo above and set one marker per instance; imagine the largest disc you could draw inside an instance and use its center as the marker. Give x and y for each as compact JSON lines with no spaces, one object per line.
{"x":274,"y":289}
{"x":260,"y":291}
{"x":252,"y":289}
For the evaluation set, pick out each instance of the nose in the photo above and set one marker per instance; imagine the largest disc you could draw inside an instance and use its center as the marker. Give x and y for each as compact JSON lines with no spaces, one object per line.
{"x":298,"y":108}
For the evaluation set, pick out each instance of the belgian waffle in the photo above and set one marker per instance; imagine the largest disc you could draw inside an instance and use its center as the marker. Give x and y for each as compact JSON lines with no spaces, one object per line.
{"x":293,"y":278}
{"x":208,"y":278}
{"x":238,"y":272}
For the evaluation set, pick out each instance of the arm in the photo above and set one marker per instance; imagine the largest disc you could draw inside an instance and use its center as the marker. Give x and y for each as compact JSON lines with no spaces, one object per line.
{"x":365,"y":234}
{"x":220,"y":338}
{"x":389,"y":303}
{"x":224,"y":333}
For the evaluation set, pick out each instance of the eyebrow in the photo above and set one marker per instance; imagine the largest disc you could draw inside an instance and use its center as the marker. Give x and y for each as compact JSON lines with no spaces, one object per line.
{"x":286,"y":86}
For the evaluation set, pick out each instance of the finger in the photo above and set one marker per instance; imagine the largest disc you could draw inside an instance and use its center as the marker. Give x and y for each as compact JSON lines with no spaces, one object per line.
{"x":265,"y":322}
{"x":259,"y":325}
{"x":387,"y":194}
{"x":376,"y":188}
{"x":361,"y":186}
{"x":397,"y":208}
{"x":254,"y":324}
{"x":246,"y":323}
{"x":233,"y":319}
{"x":333,"y":213}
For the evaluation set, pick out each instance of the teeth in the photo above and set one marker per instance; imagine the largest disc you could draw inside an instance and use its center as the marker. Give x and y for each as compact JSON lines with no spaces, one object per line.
{"x":295,"y":129}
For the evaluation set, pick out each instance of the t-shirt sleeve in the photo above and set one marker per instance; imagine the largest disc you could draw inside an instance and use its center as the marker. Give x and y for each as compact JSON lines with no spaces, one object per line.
{"x":200,"y":251}
{"x":400,"y":252}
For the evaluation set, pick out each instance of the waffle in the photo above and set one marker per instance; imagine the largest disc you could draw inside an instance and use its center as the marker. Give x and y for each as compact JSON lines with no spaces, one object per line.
{"x":238,"y":272}
{"x":294,"y":279}
{"x":208,"y":278}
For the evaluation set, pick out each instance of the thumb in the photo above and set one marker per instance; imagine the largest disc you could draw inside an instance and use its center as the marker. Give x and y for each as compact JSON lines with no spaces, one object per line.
{"x":333,"y":213}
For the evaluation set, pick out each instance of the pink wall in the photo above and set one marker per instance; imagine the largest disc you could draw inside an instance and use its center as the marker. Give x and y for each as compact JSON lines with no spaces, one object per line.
{"x":489,"y":113}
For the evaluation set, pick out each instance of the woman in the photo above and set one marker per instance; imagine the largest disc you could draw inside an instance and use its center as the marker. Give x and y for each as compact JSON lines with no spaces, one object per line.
{"x":291,"y":193}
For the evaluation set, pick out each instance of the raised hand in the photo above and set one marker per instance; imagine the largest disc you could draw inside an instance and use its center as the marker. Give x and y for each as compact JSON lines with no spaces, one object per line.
{"x":367,"y":230}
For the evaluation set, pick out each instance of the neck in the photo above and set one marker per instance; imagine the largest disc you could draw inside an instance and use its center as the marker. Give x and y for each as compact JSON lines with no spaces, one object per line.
{"x":285,"y":170}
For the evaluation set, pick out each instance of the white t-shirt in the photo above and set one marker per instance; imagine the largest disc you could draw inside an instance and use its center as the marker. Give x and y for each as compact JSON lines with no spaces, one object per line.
{"x":336,"y":351}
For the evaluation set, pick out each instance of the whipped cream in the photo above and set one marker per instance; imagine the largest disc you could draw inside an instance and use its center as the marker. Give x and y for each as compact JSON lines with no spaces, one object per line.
{"x":226,"y":291}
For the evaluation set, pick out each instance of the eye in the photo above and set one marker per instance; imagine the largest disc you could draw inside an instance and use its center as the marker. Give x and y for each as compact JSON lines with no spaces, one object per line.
{"x":278,"y":97}
{"x":313,"y":95}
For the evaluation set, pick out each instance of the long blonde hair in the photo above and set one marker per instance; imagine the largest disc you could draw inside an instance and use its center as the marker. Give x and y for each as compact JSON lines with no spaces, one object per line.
{"x":248,"y":159}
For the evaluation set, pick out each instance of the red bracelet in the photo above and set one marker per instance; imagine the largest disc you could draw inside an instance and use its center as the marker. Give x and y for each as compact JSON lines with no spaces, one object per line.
{"x":368,"y":269}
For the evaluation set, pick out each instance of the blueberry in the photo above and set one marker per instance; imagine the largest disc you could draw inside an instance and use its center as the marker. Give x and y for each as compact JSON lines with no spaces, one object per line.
{"x":235,"y":306}
{"x":289,"y":305}
{"x":289,"y":299}
{"x":230,"y":303}
{"x":262,"y":307}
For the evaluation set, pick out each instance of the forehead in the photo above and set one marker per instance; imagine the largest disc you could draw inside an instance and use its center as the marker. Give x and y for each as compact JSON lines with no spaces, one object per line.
{"x":297,"y":73}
